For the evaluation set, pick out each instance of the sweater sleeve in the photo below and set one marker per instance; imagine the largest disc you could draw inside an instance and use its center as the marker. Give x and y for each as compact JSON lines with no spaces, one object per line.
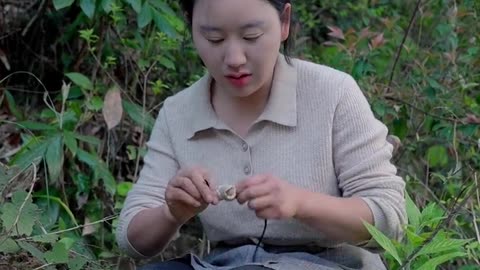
{"x":362,"y":162}
{"x":149,"y":191}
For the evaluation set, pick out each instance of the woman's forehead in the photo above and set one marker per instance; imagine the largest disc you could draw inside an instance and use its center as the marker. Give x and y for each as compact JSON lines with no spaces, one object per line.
{"x":224,"y":13}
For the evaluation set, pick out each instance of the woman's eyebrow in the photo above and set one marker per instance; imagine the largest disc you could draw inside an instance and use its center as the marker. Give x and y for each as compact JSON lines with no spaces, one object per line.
{"x":210,"y":28}
{"x":252,"y":25}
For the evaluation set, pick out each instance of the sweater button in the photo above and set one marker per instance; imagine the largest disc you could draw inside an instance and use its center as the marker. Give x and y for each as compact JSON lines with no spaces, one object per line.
{"x":247,"y":169}
{"x":244,"y":147}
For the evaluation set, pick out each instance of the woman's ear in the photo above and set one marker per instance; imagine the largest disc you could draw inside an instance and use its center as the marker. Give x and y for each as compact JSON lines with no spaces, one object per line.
{"x":285,"y":19}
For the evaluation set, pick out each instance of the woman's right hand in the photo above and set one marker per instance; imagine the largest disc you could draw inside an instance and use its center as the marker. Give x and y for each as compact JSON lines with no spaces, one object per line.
{"x":189,"y":193}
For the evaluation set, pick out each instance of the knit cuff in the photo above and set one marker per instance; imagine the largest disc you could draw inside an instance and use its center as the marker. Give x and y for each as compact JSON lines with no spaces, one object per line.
{"x":380,"y":222}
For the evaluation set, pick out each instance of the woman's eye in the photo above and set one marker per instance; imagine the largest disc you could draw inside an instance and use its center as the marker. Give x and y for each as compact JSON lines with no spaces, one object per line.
{"x":215,"y":41}
{"x":252,"y":38}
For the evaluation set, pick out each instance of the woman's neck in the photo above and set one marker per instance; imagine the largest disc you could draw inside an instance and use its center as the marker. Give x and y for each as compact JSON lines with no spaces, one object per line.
{"x":240,"y":112}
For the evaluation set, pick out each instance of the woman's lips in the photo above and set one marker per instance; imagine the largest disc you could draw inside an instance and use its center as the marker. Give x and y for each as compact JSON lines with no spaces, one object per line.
{"x":240,"y":81}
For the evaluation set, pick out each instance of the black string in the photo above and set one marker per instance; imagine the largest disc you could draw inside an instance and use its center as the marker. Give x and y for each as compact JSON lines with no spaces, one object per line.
{"x":260,"y":240}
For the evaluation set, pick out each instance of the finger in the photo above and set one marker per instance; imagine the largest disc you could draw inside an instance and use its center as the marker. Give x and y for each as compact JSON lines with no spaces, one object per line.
{"x":206,"y":192}
{"x":179,"y":195}
{"x":261,"y":203}
{"x":254,"y":192}
{"x":187,"y":185}
{"x":251,"y":181}
{"x":211,"y":183}
{"x":267,"y":213}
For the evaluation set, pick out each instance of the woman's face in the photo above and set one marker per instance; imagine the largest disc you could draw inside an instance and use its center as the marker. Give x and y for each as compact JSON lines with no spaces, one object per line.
{"x":239,"y":42}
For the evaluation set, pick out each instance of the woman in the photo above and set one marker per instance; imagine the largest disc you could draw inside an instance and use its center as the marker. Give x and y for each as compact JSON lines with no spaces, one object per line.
{"x":296,"y":140}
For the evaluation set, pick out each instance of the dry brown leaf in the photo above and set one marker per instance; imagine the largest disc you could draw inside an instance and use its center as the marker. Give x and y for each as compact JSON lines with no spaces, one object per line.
{"x":378,"y":41}
{"x":112,"y":108}
{"x":3,"y":58}
{"x":472,"y":119}
{"x":88,"y":229}
{"x":336,"y":32}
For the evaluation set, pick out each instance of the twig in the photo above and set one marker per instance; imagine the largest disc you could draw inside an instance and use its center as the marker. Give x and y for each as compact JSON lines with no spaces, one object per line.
{"x":144,"y":111}
{"x":475,"y":225}
{"x":400,"y":48}
{"x":477,"y":232}
{"x":44,"y":266}
{"x":421,"y":110}
{"x":100,"y":50}
{"x":73,"y":228}
{"x":34,"y":18}
{"x":14,"y":225}
{"x":26,"y":198}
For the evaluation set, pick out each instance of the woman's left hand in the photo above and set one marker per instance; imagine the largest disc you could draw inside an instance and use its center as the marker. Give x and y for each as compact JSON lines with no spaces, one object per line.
{"x":269,"y":196}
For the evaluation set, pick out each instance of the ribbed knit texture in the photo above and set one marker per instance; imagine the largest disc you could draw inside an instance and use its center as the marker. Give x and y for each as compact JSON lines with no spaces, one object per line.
{"x":317,"y":132}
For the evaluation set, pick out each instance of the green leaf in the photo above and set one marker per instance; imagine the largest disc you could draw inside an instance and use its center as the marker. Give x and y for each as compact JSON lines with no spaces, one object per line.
{"x":68,"y":242}
{"x":80,"y":80}
{"x":413,"y":212}
{"x":107,"y":5}
{"x":439,"y":245}
{"x":88,"y":7}
{"x":61,"y":203}
{"x":437,"y":156}
{"x":59,"y":4}
{"x":45,"y":238}
{"x":164,"y":61}
{"x":95,"y":104}
{"x":8,"y":246}
{"x":70,"y":142}
{"x":163,"y":24}
{"x":54,"y":158}
{"x":102,"y":172}
{"x":88,"y":139}
{"x":100,"y":169}
{"x":12,"y":106}
{"x":123,"y":188}
{"x":24,"y":219}
{"x":434,"y":262}
{"x":134,"y":111}
{"x":400,"y":128}
{"x":6,"y":174}
{"x":58,"y":254}
{"x":145,"y":16}
{"x":383,"y":241}
{"x":32,"y":250}
{"x":136,"y":5}
{"x":434,"y":84}
{"x":414,"y":239}
{"x":77,"y":263}
{"x":164,"y":7}
{"x":37,"y":126}
{"x":87,"y":158}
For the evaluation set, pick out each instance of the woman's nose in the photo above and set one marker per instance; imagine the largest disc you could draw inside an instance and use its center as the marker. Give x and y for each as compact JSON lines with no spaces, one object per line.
{"x":235,"y":56}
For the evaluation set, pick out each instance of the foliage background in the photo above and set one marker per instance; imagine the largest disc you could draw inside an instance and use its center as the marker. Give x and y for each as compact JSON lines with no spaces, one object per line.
{"x":81,"y":82}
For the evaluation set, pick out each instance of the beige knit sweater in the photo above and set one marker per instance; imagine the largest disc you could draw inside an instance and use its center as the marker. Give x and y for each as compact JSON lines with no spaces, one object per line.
{"x":317,"y":132}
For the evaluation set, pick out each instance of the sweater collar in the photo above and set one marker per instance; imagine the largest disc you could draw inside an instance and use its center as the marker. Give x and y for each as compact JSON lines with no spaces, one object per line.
{"x":281,"y":107}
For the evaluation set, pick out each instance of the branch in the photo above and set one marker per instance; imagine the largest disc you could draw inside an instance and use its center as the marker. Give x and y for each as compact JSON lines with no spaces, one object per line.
{"x":71,"y":229}
{"x":34,"y":18}
{"x":400,"y":48}
{"x":422,"y":111}
{"x":144,"y":111}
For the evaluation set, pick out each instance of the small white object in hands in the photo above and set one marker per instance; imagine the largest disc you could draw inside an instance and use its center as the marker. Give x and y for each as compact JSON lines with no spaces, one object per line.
{"x":227,"y":192}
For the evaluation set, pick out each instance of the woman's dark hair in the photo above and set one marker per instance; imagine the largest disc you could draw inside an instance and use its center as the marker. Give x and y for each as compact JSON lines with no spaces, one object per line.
{"x":279,"y":5}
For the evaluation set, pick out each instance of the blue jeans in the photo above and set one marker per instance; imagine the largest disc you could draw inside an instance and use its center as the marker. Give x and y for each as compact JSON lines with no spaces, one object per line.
{"x":184,"y":264}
